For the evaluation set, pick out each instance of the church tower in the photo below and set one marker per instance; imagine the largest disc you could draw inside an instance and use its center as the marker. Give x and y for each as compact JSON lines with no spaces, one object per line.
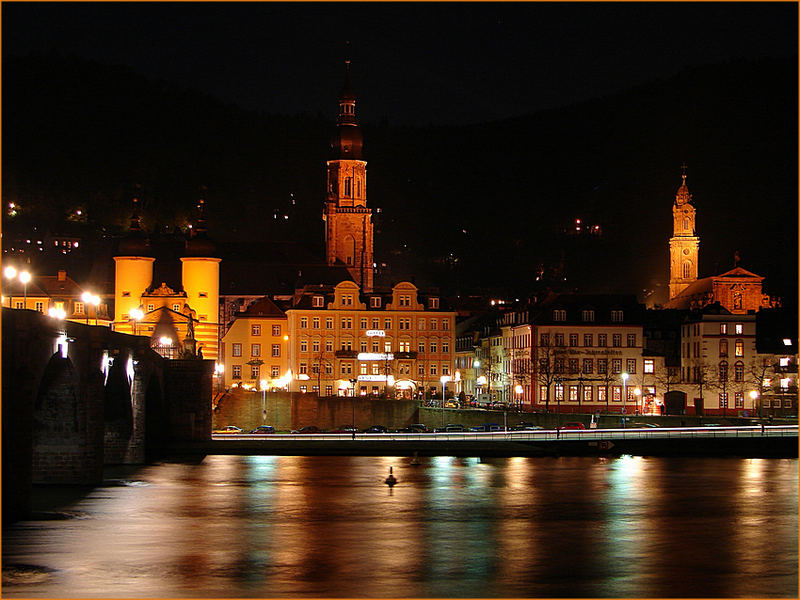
{"x":348,"y":221}
{"x":684,"y":244}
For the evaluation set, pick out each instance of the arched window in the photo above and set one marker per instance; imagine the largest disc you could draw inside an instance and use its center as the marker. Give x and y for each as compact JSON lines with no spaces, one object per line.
{"x":686,"y":224}
{"x":687,"y":270}
{"x":723,"y":370}
{"x":738,"y":371}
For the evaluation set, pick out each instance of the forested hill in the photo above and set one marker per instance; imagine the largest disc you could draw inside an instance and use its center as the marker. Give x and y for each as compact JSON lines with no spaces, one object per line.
{"x":474,"y":206}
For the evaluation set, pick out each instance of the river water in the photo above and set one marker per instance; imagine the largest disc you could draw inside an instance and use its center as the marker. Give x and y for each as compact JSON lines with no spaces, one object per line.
{"x":283,"y":526}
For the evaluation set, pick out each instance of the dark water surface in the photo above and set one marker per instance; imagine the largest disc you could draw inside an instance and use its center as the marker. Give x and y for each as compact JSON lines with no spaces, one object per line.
{"x":265,"y":526}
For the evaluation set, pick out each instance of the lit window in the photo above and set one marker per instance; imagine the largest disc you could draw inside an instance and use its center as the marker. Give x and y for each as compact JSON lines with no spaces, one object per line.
{"x":649,"y":365}
{"x":276,"y":330}
{"x":303,"y":322}
{"x":236,"y":372}
{"x":254,"y":371}
{"x":79,"y":308}
{"x":375,"y":302}
{"x":739,"y":329}
{"x":236,"y":350}
{"x":276,"y":350}
{"x":275,"y":371}
{"x":587,"y":315}
{"x":317,"y":301}
{"x":631,"y":365}
{"x":616,"y":316}
{"x":723,"y":328}
{"x":255,"y":329}
{"x":739,"y":348}
{"x":559,"y":315}
{"x":255,"y":350}
{"x":784,"y":361}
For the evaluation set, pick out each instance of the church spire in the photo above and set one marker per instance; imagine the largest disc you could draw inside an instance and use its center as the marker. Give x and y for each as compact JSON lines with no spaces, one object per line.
{"x":683,"y":196}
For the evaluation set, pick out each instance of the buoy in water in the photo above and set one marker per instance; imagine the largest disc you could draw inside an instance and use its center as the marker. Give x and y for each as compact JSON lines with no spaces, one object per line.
{"x":390,"y":480}
{"x":414,"y":460}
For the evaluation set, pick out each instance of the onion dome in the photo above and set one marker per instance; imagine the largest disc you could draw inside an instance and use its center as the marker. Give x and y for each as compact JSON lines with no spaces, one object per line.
{"x":199,"y":244}
{"x":136,"y":242}
{"x":346,"y":142}
{"x":683,"y":196}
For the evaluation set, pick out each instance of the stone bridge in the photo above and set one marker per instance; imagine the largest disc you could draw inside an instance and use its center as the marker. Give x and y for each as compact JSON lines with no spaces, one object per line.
{"x":77,"y":397}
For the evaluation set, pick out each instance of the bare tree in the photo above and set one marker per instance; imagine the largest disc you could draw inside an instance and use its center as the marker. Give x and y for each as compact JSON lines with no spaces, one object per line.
{"x":546,"y":373}
{"x":702,"y":375}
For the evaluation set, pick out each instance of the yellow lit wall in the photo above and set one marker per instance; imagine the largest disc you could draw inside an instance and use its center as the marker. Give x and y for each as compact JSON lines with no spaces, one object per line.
{"x":133,"y":275}
{"x":200,"y":276}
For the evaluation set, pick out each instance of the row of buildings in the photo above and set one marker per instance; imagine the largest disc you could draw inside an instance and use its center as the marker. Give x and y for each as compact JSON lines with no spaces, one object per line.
{"x":718,"y":346}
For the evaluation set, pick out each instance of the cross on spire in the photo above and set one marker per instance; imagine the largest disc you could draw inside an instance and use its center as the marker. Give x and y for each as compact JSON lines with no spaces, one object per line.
{"x":683,"y":171}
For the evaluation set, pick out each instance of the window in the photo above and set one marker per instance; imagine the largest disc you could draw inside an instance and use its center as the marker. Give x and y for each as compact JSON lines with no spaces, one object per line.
{"x":303,"y":345}
{"x":375,"y":346}
{"x":303,"y":322}
{"x":616,"y":393}
{"x":363,"y":323}
{"x":649,"y":365}
{"x":421,"y":324}
{"x":631,"y":340}
{"x":738,"y":400}
{"x":723,"y":371}
{"x":347,"y":344}
{"x":375,"y":301}
{"x":274,"y":371}
{"x":601,"y":394}
{"x":363,"y":345}
{"x":317,"y":301}
{"x":738,"y":371}
{"x":739,"y":329}
{"x":602,"y":340}
{"x":328,"y":345}
{"x":587,"y":393}
{"x":150,"y":307}
{"x":558,"y":365}
{"x":421,"y":370}
{"x":405,"y":300}
{"x":421,"y":347}
{"x":314,"y":323}
{"x":616,"y":365}
{"x":723,"y":348}
{"x":347,"y":322}
{"x":433,"y":347}
{"x":38,"y":306}
{"x":687,"y":270}
{"x":328,"y":368}
{"x":433,"y":303}
{"x":786,"y":403}
{"x":276,"y":330}
{"x":387,"y":324}
{"x":79,"y":308}
{"x":573,"y":339}
{"x":542,"y":393}
{"x":236,"y":350}
{"x":329,"y":323}
{"x":559,"y":315}
{"x":433,"y":324}
{"x":304,"y":368}
{"x":587,"y":365}
{"x":328,"y":390}
{"x":254,"y":371}
{"x":559,"y":339}
{"x":387,"y":347}
{"x":176,"y":307}
{"x":544,"y":339}
{"x":559,"y":392}
{"x":739,"y":348}
{"x":587,"y":316}
{"x":723,"y":328}
{"x":630,"y":364}
{"x":573,"y":365}
{"x":255,"y":349}
{"x":587,"y":340}
{"x":433,"y":369}
{"x":602,"y":365}
{"x":616,"y":340}
{"x":276,"y":350}
{"x":445,"y":346}
{"x":405,"y":347}
{"x":573,"y":393}
{"x":404,"y":323}
{"x":616,"y":316}
{"x":445,"y":324}
{"x":723,"y":400}
{"x":255,"y":329}
{"x":347,"y":300}
{"x":236,"y":371}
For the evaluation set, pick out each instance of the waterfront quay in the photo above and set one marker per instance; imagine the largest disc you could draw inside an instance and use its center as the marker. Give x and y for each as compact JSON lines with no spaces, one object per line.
{"x":744,"y":441}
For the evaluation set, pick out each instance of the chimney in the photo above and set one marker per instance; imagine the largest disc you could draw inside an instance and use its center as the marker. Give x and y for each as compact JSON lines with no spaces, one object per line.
{"x":62,"y":275}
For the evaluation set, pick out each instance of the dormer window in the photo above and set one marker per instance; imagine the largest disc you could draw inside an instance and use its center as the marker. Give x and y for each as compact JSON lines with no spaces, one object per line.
{"x":587,"y":316}
{"x":616,"y":316}
{"x":317,"y":301}
{"x":433,"y":303}
{"x":347,"y":300}
{"x":405,"y":300}
{"x":559,"y":315}
{"x":375,"y":302}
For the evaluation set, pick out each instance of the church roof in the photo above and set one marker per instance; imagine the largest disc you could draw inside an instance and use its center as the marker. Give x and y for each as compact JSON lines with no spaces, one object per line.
{"x":738,"y":273}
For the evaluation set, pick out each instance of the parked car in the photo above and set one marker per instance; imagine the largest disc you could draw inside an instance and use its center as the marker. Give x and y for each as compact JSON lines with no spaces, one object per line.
{"x":487,"y":427}
{"x":451,"y":404}
{"x":228,"y":429}
{"x":573,"y":425}
{"x":344,"y":429}
{"x":376,"y":429}
{"x":450,"y":427}
{"x":308,"y":429}
{"x":525,"y":426}
{"x":498,"y":406}
{"x":263,"y":429}
{"x":644,"y":425}
{"x":414,"y":428}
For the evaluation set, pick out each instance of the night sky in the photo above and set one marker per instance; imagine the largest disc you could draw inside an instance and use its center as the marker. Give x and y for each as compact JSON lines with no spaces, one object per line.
{"x":412,"y":63}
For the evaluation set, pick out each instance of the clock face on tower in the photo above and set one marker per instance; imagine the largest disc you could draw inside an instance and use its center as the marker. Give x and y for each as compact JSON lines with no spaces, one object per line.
{"x":686,"y":251}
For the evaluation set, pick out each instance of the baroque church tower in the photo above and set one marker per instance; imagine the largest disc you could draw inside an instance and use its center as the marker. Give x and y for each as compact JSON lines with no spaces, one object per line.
{"x":684,"y":244}
{"x":348,"y":221}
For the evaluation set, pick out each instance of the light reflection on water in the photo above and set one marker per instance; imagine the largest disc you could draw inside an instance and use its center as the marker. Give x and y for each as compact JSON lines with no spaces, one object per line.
{"x":266,"y":526}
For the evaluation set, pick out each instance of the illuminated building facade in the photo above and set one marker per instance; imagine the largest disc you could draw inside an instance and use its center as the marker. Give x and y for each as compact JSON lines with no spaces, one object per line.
{"x":348,"y":221}
{"x":178,"y":321}
{"x":345,"y":341}
{"x":256,"y":348}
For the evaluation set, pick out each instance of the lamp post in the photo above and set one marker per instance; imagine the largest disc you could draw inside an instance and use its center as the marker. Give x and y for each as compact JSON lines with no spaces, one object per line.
{"x":263,"y":383}
{"x":353,"y":402}
{"x":754,"y":397}
{"x":25,"y":277}
{"x":444,"y":379}
{"x":518,"y":390}
{"x":10,"y":273}
{"x":624,"y":394}
{"x":476,"y":363}
{"x":89,"y":298}
{"x":135,"y":315}
{"x":638,"y":393}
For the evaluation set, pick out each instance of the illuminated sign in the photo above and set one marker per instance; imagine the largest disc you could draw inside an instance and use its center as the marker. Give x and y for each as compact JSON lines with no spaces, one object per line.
{"x":375,"y":356}
{"x":372,"y":377}
{"x":376,"y":333}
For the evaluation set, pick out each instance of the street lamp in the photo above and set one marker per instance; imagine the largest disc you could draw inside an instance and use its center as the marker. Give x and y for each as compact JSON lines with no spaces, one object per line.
{"x":518,"y":390}
{"x":89,"y":298}
{"x":476,"y":363}
{"x":263,"y":383}
{"x":444,"y":379}
{"x":754,"y":397}
{"x":25,"y":277}
{"x":638,"y":393}
{"x":624,"y":394}
{"x":135,"y":315}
